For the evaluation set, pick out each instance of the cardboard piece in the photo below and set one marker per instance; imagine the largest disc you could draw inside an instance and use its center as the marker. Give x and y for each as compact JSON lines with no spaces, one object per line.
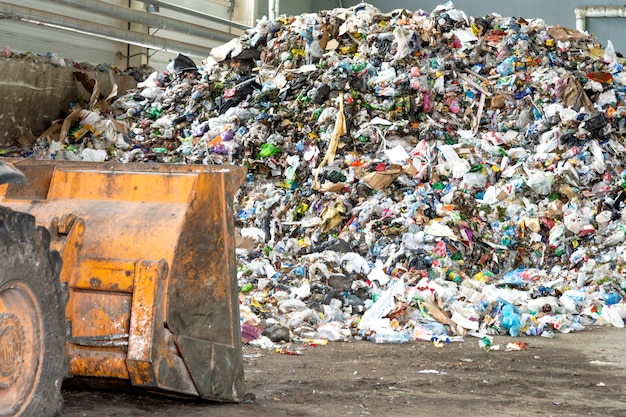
{"x":119,"y":126}
{"x":26,"y":138}
{"x":339,"y":130}
{"x":562,"y":34}
{"x":574,"y":95}
{"x":52,"y":133}
{"x":332,"y":187}
{"x":97,"y":99}
{"x":379,"y":180}
{"x":436,"y":313}
{"x":73,"y":117}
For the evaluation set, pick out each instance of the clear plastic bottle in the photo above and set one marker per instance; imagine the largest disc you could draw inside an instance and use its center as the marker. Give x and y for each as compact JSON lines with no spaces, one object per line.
{"x":391,"y":336}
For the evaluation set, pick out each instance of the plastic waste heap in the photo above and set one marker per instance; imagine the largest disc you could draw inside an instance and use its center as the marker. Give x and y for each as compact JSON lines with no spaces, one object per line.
{"x":430,"y":167}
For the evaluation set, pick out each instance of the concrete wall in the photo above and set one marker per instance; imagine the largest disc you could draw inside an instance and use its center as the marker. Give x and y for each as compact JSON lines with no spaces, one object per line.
{"x":554,"y":12}
{"x":33,"y":95}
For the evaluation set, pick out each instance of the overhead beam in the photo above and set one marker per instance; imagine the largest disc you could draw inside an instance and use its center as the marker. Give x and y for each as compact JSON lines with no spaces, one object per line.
{"x":191,"y":12}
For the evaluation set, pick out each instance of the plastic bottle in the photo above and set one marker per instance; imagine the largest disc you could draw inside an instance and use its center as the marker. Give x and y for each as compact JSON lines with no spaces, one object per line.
{"x":485,"y":342}
{"x":391,"y":336}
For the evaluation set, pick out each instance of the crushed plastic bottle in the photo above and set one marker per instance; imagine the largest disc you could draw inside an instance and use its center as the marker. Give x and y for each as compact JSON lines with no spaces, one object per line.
{"x":390,"y":336}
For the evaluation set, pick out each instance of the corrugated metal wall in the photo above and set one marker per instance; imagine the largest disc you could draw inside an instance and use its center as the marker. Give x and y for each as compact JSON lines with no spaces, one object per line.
{"x":24,"y":37}
{"x":39,"y":39}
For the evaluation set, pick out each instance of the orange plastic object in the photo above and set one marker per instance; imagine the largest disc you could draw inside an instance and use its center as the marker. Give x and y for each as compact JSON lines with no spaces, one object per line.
{"x":149,"y":259}
{"x":600,"y":76}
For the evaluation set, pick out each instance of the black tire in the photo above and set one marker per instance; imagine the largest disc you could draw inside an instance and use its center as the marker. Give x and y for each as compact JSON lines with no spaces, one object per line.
{"x":32,"y":320}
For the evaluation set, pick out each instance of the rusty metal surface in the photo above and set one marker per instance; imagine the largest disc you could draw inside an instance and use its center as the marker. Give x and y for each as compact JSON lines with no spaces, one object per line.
{"x":149,"y":259}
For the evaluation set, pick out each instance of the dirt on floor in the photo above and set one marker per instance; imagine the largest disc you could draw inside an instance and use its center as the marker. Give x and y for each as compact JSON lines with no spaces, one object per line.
{"x":576,"y":374}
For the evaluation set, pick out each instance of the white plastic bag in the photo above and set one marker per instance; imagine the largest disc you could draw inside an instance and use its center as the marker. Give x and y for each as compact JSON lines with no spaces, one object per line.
{"x":540,"y":182}
{"x":458,"y":165}
{"x":383,"y":306}
{"x":598,"y":157}
{"x":331,"y":331}
{"x":612,"y":316}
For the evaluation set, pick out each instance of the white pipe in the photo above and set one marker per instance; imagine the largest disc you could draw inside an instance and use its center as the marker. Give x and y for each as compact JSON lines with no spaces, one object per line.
{"x":274,"y":7}
{"x":245,"y":11}
{"x":582,"y":13}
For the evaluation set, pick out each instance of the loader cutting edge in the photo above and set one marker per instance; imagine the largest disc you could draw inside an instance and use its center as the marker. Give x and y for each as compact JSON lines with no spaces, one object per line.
{"x":149,"y":259}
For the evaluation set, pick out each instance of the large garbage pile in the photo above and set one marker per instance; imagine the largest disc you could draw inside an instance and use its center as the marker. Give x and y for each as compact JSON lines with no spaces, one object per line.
{"x":411,"y":174}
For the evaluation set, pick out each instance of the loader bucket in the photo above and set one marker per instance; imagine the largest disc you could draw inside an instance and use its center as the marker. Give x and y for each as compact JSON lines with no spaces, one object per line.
{"x":149,"y":259}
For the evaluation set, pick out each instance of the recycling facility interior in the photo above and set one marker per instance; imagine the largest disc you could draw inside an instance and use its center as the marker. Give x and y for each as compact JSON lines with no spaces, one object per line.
{"x":412,"y":173}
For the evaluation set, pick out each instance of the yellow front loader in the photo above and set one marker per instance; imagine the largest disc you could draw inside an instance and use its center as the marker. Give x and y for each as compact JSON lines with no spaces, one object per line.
{"x":120,"y":274}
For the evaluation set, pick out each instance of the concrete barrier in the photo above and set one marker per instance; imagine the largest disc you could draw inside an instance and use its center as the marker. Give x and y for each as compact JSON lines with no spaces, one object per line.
{"x":34,"y":94}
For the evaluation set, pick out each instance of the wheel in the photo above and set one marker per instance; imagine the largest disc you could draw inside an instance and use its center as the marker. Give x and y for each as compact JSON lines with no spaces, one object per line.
{"x":32,"y":320}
